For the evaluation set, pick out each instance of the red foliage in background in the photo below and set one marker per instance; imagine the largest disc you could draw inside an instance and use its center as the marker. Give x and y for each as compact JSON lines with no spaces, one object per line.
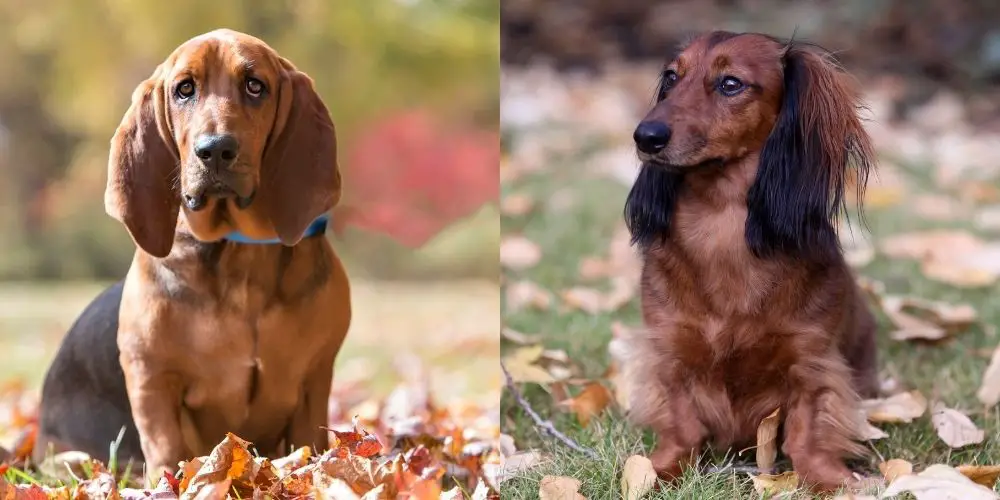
{"x":409,"y":176}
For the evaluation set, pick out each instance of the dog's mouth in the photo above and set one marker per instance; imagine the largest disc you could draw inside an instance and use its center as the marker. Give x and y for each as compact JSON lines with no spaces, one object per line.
{"x":682,"y":168}
{"x":197,"y":199}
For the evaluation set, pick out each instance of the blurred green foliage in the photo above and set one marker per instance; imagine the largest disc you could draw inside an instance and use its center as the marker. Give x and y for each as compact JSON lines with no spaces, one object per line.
{"x":70,"y":67}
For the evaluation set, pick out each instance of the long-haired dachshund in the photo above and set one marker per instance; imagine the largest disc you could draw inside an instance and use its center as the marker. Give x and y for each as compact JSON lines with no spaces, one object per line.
{"x":234,"y":308}
{"x":748,"y":303}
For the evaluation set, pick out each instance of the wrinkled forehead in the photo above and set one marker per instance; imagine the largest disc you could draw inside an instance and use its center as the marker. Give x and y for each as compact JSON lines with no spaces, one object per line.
{"x":721,"y":50}
{"x":225,"y":51}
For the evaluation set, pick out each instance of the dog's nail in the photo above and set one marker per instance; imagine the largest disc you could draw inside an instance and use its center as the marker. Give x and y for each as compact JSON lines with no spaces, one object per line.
{"x":195,"y":203}
{"x":244,"y":201}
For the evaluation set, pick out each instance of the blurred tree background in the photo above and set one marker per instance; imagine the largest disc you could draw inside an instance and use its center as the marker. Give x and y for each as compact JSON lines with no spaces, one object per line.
{"x":932,"y":44}
{"x":427,"y":70}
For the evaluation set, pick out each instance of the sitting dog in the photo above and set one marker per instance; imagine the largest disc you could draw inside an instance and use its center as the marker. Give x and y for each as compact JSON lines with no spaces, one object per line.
{"x":229,"y":320}
{"x":748,"y":303}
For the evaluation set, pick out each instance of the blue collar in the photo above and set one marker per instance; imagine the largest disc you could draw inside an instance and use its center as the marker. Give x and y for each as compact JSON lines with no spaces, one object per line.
{"x":316,"y":228}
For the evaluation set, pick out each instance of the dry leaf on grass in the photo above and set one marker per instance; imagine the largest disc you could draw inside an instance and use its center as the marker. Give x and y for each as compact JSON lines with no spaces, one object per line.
{"x":989,"y":389}
{"x":985,"y":475}
{"x":517,"y":337}
{"x":519,"y":253}
{"x":594,"y":301}
{"x":775,"y":483}
{"x":894,"y":468}
{"x":939,"y":482}
{"x":950,"y":256}
{"x":767,"y":441}
{"x":899,"y":408}
{"x":638,"y":478}
{"x":926,"y":319}
{"x":559,"y":488}
{"x":524,"y":294}
{"x":521,"y":364}
{"x":954,"y":427}
{"x":514,"y":205}
{"x":866,"y":431}
{"x":589,"y":403}
{"x":519,"y":463}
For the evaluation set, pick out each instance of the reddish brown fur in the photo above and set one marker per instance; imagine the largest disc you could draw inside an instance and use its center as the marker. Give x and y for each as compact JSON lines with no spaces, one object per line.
{"x":220,"y":337}
{"x":732,"y":336}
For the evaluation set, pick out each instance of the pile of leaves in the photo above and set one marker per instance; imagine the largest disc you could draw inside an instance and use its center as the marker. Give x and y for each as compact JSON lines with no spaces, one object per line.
{"x":401,"y":447}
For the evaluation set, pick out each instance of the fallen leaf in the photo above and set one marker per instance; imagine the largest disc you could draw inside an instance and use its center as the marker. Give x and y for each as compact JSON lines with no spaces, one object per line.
{"x":162,"y":491}
{"x":925,"y":319}
{"x":950,"y":256}
{"x":771,"y":484}
{"x":985,"y":475}
{"x":939,"y":482}
{"x":514,"y":205}
{"x":519,"y":463}
{"x":767,"y":441}
{"x":588,"y":300}
{"x":357,"y":442}
{"x":517,"y":337}
{"x":954,"y":427}
{"x":868,"y":432}
{"x":524,"y":294}
{"x":519,"y":253}
{"x":638,"y":477}
{"x":559,"y":488}
{"x":361,"y":473}
{"x":229,"y":460}
{"x":989,"y":388}
{"x":899,"y":408}
{"x":852,"y":496}
{"x":589,"y":403}
{"x":522,"y":368}
{"x":894,"y":468}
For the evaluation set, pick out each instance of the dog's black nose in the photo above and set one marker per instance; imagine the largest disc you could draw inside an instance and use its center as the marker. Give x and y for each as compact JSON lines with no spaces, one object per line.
{"x":217,"y":151}
{"x":651,"y":137}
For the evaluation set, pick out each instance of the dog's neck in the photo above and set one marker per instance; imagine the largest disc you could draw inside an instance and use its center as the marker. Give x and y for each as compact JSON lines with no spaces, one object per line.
{"x":720,"y":185}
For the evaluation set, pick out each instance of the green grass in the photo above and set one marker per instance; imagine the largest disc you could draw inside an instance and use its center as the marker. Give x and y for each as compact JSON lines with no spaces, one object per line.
{"x":949,"y":372}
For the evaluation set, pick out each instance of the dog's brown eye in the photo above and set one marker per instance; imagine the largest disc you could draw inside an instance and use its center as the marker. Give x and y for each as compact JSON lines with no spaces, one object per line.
{"x":730,"y":86}
{"x":185,"y":89}
{"x":255,"y":87}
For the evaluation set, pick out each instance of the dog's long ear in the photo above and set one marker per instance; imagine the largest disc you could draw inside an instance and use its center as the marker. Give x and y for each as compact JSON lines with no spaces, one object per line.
{"x":649,"y":207}
{"x":141,"y":190}
{"x":300,"y":177}
{"x":804,"y":166}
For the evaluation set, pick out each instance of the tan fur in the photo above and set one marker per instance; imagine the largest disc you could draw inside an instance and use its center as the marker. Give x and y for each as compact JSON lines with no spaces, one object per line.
{"x":220,"y":337}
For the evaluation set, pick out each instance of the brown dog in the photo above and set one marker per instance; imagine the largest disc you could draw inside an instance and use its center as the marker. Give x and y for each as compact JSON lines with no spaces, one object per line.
{"x":235,"y":306}
{"x":748,"y":303}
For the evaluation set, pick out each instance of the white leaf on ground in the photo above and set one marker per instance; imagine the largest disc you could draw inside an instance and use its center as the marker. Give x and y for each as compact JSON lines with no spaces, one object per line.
{"x":519,"y":253}
{"x":939,"y":482}
{"x":767,"y":441}
{"x":588,"y":300}
{"x":866,"y":431}
{"x":955,"y":428}
{"x":525,"y":293}
{"x":989,"y":389}
{"x":517,"y":337}
{"x":518,"y":463}
{"x":638,"y":477}
{"x":559,"y":488}
{"x":902,"y":407}
{"x":952,"y":256}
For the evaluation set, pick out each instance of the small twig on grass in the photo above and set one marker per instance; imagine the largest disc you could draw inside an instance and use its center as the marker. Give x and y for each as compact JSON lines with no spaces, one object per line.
{"x":542,"y":424}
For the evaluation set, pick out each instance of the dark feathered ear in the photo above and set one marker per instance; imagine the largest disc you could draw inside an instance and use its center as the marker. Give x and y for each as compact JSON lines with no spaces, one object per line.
{"x":649,"y":207}
{"x":140,"y":192}
{"x":818,"y":137}
{"x":301,"y":179}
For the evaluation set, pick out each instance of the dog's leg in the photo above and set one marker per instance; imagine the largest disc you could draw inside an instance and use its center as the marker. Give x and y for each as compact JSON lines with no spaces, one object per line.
{"x":820,"y":427}
{"x":155,"y":397}
{"x":680,"y":435}
{"x":307,"y":427}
